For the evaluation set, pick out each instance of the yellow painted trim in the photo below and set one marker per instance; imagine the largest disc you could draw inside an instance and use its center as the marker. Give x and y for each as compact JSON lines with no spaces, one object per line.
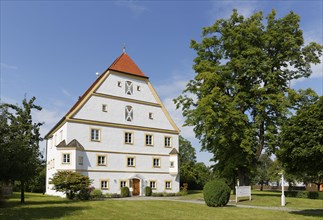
{"x":152,"y":140}
{"x":155,"y":184}
{"x":66,"y":163}
{"x":134,"y":162}
{"x":93,"y":128}
{"x":95,"y":87}
{"x":108,"y":184}
{"x":118,"y":152}
{"x":124,"y":126}
{"x":159,"y":162}
{"x":105,"y":160}
{"x":132,"y":137}
{"x":171,"y":185}
{"x":126,"y":99}
{"x":163,"y":107}
{"x":171,"y":141}
{"x":115,"y":171}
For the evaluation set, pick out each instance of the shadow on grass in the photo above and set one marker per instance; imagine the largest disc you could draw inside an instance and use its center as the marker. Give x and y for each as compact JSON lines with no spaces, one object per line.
{"x":309,"y":212}
{"x":191,"y":192}
{"x":39,"y":212}
{"x":266,"y":194}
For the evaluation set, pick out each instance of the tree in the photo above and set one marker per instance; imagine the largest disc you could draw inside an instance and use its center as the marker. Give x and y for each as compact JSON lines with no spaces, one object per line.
{"x":262,"y":172}
{"x":21,"y":142}
{"x":187,"y":160}
{"x":70,"y":182}
{"x":239,"y":96}
{"x":301,"y":143}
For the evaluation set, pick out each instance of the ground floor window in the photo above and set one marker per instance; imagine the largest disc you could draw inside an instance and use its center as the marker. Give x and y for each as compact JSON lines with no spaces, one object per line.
{"x":153,"y":184}
{"x":168,"y":184}
{"x":104,"y":184}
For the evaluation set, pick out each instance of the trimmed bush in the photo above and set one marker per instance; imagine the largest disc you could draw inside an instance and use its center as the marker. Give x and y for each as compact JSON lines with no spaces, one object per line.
{"x":216,"y":193}
{"x":85,"y":193}
{"x":115,"y":195}
{"x":96,"y":193}
{"x":148,"y":191}
{"x":304,"y":194}
{"x":125,"y":192}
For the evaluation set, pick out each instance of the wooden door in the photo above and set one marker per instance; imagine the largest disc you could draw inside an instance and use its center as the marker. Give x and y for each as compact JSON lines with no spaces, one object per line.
{"x":135,"y":187}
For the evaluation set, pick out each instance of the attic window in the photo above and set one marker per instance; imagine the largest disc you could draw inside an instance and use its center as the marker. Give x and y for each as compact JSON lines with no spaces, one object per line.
{"x":104,"y":108}
{"x":129,"y":88}
{"x":138,"y":88}
{"x":119,"y":84}
{"x":151,"y":115}
{"x":128,"y":113}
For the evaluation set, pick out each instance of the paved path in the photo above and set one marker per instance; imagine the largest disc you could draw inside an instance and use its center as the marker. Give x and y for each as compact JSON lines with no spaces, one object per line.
{"x":178,"y":199}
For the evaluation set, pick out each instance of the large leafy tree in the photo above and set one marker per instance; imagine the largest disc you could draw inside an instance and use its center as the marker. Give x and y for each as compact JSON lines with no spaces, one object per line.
{"x":239,"y":96}
{"x":187,"y":160}
{"x":262,"y":173}
{"x":301,"y":143}
{"x":20,"y":155}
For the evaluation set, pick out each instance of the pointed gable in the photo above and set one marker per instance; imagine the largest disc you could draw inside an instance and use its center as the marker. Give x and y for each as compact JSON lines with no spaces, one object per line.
{"x":125,"y":64}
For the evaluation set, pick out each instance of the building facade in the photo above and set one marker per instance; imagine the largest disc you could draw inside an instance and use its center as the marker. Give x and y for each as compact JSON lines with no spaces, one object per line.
{"x":119,"y":134}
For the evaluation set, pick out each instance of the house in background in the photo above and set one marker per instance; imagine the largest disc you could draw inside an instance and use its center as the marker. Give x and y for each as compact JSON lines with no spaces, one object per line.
{"x":119,"y":134}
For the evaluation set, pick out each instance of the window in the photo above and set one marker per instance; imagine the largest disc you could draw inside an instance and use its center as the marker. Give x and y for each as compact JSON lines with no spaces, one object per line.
{"x":102,"y":160}
{"x":138,"y":88}
{"x":156,"y":162}
{"x":129,"y":88}
{"x":168,"y":184}
{"x":123,"y":183}
{"x":151,"y":115}
{"x":119,"y":84}
{"x":153,"y":185}
{"x":128,"y":139}
{"x":128,"y":113}
{"x":80,"y":160}
{"x":168,"y":141}
{"x":172,"y":164}
{"x":149,"y":140}
{"x":66,"y":158}
{"x":131,"y":162}
{"x":104,"y":108}
{"x":95,"y":134}
{"x":104,"y":184}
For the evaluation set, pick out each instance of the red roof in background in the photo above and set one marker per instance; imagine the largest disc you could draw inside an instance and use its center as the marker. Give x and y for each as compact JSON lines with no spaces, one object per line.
{"x":126,"y":65}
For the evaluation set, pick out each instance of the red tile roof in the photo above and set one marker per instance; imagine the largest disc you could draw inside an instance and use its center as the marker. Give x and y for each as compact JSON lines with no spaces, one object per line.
{"x":125,"y":64}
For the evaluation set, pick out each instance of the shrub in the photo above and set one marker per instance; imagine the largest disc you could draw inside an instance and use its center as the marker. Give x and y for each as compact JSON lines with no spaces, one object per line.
{"x":115,"y":195}
{"x":148,"y":191}
{"x":85,"y":193}
{"x":304,"y":194}
{"x":96,"y":193}
{"x":184,"y":189}
{"x":216,"y":193}
{"x":157,"y":194}
{"x":125,"y":192}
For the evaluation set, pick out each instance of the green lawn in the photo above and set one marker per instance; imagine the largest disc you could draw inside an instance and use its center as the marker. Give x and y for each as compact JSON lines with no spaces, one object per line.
{"x":38,"y":206}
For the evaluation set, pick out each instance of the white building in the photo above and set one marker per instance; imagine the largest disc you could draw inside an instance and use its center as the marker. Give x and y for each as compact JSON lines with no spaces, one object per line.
{"x":119,"y":134}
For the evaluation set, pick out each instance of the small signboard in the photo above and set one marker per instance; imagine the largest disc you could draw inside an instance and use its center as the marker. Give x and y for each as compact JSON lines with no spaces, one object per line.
{"x":243,"y":191}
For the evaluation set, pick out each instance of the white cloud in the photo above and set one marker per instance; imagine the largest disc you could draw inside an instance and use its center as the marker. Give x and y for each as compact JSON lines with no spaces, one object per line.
{"x":7,"y":66}
{"x":133,"y":6}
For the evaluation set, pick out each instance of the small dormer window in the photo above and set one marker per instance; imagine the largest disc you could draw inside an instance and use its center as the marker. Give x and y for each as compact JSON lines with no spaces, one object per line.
{"x":151,"y":115}
{"x":138,"y":88}
{"x":104,"y":108}
{"x":119,"y":84}
{"x":129,"y":88}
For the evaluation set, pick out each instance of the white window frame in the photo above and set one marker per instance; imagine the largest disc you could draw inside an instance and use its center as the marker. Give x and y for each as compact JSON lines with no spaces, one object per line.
{"x":168,"y":185}
{"x":156,"y":165}
{"x":95,"y":134}
{"x":121,"y":183}
{"x":101,"y":160}
{"x":168,"y":141}
{"x":66,"y":158}
{"x":131,"y":162}
{"x":149,"y":140}
{"x":153,"y":184}
{"x":104,"y":184}
{"x":128,"y":137}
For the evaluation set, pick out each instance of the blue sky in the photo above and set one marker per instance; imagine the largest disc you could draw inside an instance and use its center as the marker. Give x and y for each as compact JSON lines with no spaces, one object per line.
{"x":52,"y":49}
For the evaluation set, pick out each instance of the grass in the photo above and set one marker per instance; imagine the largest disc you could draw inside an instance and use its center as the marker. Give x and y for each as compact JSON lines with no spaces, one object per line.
{"x":38,"y":206}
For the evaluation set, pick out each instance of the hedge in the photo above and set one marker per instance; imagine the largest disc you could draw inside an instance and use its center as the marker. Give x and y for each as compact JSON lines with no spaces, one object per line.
{"x":304,"y":194}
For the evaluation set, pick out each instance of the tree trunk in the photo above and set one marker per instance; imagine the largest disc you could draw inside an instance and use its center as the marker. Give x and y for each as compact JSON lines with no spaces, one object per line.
{"x":244,"y":179}
{"x":261,"y":187}
{"x":22,"y":191}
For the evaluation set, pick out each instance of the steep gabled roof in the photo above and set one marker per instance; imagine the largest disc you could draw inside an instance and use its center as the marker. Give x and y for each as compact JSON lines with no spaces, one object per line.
{"x":125,"y":64}
{"x":173,"y":151}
